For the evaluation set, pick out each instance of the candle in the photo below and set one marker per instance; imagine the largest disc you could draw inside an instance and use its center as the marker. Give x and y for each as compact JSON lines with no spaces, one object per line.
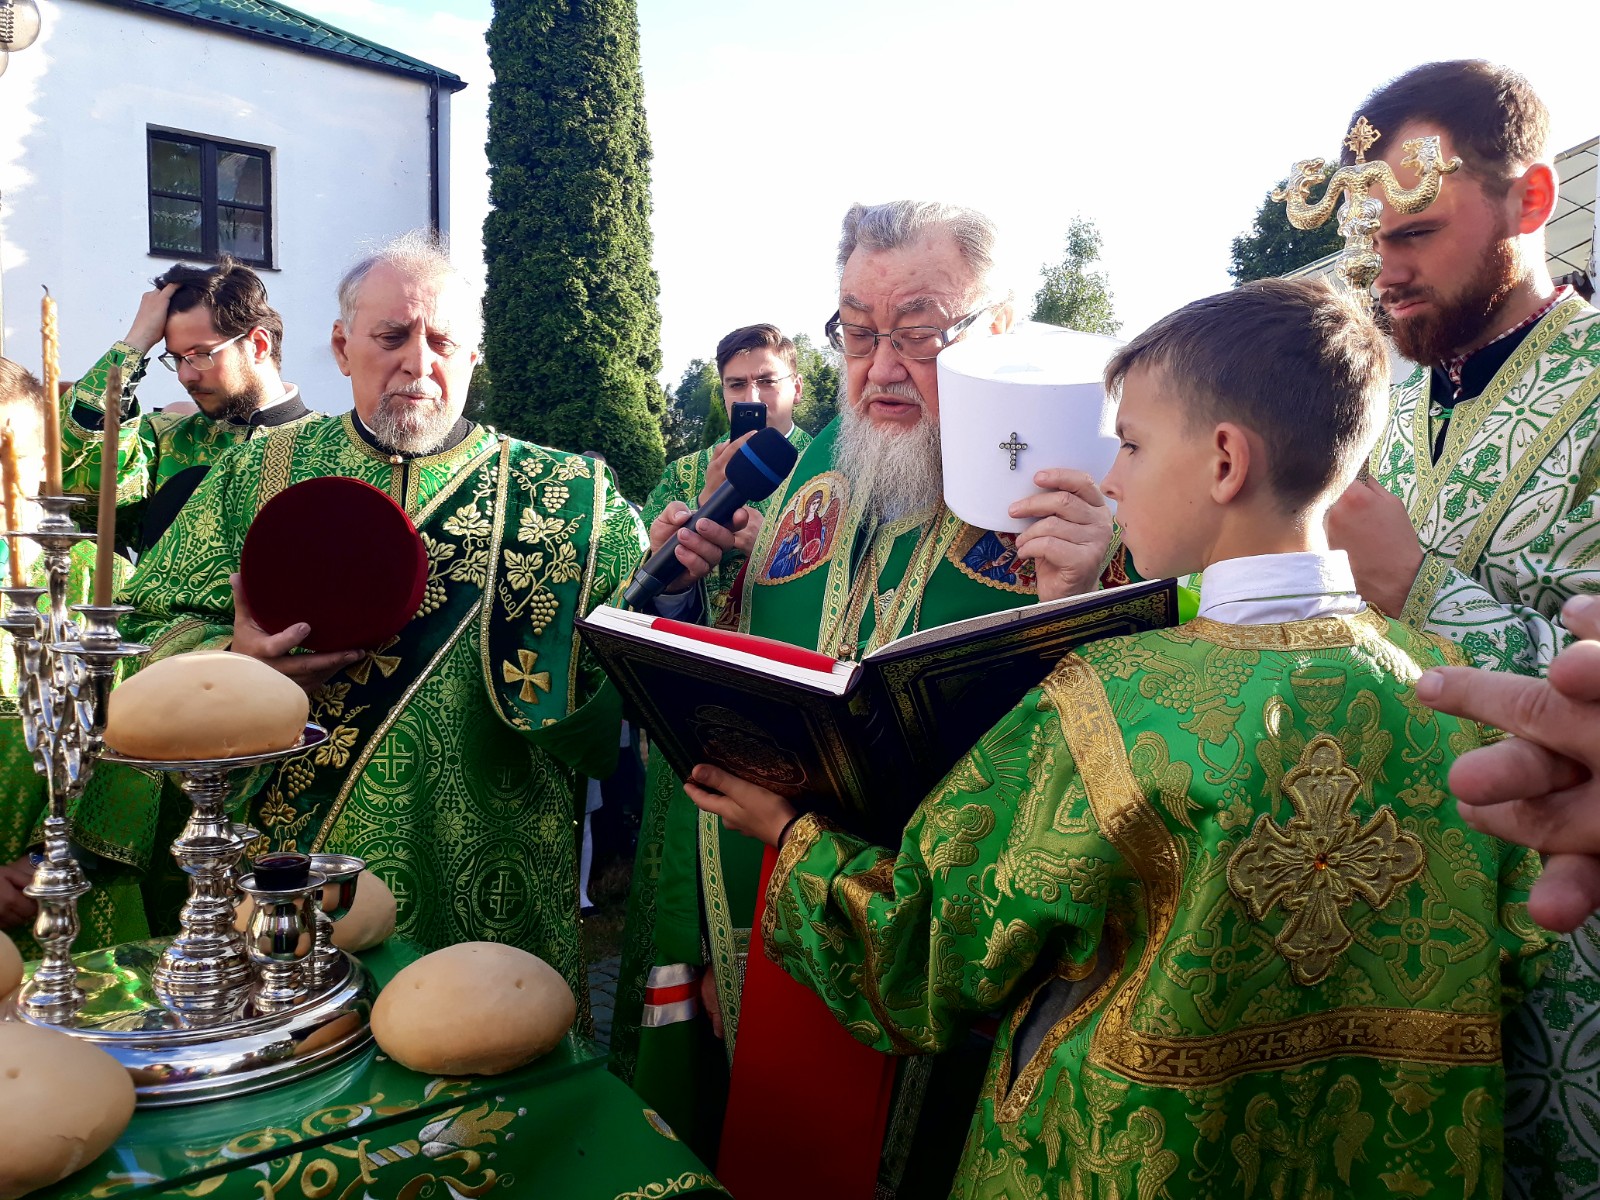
{"x":106,"y":529}
{"x":12,"y":488}
{"x":52,"y":397}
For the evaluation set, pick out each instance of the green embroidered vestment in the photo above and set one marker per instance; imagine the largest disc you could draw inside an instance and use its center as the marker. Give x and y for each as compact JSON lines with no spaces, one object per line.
{"x":152,"y":448}
{"x":673,"y":912}
{"x":454,"y":751}
{"x":1507,"y":518}
{"x":1221,"y":861}
{"x":1507,"y":514}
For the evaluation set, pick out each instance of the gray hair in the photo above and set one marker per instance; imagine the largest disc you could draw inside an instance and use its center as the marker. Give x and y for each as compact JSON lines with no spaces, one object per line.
{"x":421,"y":255}
{"x":902,"y":222}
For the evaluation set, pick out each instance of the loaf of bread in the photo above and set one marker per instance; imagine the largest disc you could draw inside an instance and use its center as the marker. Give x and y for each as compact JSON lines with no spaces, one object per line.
{"x":65,"y":1101}
{"x":10,"y":966}
{"x":370,"y":919}
{"x":478,"y":1008}
{"x":208,"y":704}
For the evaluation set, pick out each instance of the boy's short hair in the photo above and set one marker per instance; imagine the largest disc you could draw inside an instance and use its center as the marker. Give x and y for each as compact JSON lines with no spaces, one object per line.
{"x":1297,"y":362}
{"x":22,"y":402}
{"x":1495,"y":120}
{"x":756,"y":337}
{"x":232,"y":293}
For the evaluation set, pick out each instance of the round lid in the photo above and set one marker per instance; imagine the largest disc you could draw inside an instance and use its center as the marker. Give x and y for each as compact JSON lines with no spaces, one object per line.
{"x":1041,"y":355}
{"x":339,"y":555}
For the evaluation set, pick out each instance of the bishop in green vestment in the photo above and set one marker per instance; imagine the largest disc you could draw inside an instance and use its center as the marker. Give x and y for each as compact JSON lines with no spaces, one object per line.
{"x":225,"y":344}
{"x":857,"y":548}
{"x":455,"y":751}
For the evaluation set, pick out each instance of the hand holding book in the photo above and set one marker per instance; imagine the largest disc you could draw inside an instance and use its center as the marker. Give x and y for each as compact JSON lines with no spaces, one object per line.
{"x":744,"y":807}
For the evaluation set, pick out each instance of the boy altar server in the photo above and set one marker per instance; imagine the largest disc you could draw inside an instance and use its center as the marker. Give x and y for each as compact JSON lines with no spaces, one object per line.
{"x":1208,"y":874}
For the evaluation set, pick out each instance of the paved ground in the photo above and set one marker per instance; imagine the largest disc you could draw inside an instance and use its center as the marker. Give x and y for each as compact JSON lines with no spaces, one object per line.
{"x":603,"y":995}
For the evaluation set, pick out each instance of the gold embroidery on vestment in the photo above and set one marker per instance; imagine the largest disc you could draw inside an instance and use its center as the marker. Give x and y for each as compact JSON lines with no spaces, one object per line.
{"x":1321,"y":862}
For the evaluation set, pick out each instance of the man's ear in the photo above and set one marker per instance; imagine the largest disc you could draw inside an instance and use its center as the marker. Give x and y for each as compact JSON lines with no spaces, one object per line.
{"x":260,"y":344}
{"x":1535,"y":196}
{"x":340,"y":344}
{"x":1232,"y":459}
{"x":1004,"y":318}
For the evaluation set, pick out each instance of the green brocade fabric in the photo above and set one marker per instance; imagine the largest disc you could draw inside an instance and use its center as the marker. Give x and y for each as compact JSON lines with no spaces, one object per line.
{"x":1242,"y":941}
{"x":1507,"y":516}
{"x":674,"y":912}
{"x":151,"y":447}
{"x":559,"y":1128}
{"x":114,"y":820}
{"x":454,"y":751}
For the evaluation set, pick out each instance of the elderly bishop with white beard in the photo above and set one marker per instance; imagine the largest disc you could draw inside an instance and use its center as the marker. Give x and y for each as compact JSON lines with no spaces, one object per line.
{"x":859,"y":549}
{"x":454,"y":750}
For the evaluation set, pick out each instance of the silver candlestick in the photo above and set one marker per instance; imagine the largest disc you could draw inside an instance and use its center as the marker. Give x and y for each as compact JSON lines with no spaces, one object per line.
{"x":65,"y":670}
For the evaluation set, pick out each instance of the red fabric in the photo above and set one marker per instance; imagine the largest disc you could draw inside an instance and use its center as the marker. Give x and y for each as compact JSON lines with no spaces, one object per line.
{"x":672,"y":994}
{"x":339,"y":555}
{"x":808,"y":1104}
{"x":769,"y":648}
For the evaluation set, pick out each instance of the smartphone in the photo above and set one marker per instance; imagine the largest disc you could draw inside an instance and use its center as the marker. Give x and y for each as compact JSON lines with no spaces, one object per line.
{"x":747,"y":417}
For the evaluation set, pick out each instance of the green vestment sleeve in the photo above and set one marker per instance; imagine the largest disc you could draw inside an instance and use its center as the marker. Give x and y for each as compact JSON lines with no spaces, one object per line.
{"x":907,"y":946}
{"x":82,"y":413}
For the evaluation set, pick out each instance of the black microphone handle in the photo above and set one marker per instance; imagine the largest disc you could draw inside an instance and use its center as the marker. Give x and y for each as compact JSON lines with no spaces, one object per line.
{"x":663,"y":569}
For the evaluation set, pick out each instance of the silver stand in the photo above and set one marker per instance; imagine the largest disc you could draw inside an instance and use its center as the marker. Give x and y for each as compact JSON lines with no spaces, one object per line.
{"x":209,"y":1013}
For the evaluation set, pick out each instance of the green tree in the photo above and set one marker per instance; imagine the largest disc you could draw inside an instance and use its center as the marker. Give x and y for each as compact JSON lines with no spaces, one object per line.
{"x":822,"y":371}
{"x":571,"y":322}
{"x":1274,"y":247}
{"x":687,"y":406}
{"x":715,"y":427}
{"x":1073,"y":295}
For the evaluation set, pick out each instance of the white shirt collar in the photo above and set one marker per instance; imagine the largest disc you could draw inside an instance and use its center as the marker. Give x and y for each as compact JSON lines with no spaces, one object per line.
{"x":1268,"y":589}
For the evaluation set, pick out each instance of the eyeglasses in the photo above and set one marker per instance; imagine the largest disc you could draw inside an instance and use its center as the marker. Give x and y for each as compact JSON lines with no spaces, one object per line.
{"x":200,"y":360}
{"x":766,"y":385}
{"x":916,"y":342}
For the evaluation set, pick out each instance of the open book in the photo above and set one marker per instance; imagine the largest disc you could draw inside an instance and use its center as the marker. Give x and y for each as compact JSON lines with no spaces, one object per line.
{"x":873,"y":736}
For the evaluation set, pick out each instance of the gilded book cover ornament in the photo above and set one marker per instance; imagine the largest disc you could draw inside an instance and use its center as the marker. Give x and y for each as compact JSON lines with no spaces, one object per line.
{"x":1360,"y":262}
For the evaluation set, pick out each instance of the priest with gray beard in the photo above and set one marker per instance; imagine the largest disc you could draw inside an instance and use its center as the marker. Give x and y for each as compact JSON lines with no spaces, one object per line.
{"x":858,"y":550}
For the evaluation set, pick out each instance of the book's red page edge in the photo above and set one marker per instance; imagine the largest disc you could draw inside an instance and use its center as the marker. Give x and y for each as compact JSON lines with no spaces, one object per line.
{"x":768,"y":648}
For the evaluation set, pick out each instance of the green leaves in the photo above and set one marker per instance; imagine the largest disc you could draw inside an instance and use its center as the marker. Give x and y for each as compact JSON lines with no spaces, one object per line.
{"x":572,"y":326}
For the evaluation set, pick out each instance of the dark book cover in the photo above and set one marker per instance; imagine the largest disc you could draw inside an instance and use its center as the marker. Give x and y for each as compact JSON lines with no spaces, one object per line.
{"x":872,"y":737}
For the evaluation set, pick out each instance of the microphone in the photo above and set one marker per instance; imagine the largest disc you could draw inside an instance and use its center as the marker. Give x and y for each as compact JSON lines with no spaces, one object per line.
{"x":754,"y":472}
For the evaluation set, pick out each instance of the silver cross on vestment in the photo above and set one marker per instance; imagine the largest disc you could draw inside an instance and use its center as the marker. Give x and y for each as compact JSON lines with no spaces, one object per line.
{"x":1015,"y":447}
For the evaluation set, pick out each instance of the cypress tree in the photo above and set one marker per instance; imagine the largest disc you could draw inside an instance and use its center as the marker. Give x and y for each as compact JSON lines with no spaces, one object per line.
{"x":571,"y":323}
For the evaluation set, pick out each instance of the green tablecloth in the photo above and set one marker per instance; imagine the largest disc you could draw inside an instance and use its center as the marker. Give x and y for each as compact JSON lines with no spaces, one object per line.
{"x":563,"y":1127}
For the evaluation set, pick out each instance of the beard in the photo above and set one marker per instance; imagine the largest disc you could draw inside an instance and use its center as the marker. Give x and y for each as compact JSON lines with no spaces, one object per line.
{"x":227,"y":406}
{"x":1458,"y":321}
{"x":409,"y":426}
{"x":900,"y":472}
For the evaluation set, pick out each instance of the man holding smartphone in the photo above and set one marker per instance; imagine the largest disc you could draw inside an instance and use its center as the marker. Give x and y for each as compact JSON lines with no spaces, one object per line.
{"x":760,"y":384}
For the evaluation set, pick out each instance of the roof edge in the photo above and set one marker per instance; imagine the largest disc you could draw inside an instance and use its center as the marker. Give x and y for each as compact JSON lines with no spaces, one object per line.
{"x":420,"y":72}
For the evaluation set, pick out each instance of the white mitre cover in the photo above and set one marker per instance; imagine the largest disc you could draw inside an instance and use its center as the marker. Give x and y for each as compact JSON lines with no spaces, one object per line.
{"x":1038,"y":393}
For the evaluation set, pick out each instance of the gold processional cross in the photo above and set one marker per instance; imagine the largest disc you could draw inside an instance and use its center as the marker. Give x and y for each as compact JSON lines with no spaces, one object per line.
{"x":1321,"y":862}
{"x":1358,"y":216}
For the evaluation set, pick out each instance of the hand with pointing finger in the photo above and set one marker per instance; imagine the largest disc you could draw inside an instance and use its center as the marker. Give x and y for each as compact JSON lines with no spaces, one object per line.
{"x":1541,"y":786}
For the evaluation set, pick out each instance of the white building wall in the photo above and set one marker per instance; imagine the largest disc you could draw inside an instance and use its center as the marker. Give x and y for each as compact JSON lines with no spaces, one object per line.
{"x":350,"y":166}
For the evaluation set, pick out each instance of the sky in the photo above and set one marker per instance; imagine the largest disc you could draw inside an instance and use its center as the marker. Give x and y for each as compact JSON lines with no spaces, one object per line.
{"x":1163,"y":123}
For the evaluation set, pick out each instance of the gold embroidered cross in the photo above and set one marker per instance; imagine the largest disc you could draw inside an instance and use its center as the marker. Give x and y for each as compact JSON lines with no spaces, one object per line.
{"x":387,"y":664}
{"x":1319,"y":863}
{"x":524,"y":674}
